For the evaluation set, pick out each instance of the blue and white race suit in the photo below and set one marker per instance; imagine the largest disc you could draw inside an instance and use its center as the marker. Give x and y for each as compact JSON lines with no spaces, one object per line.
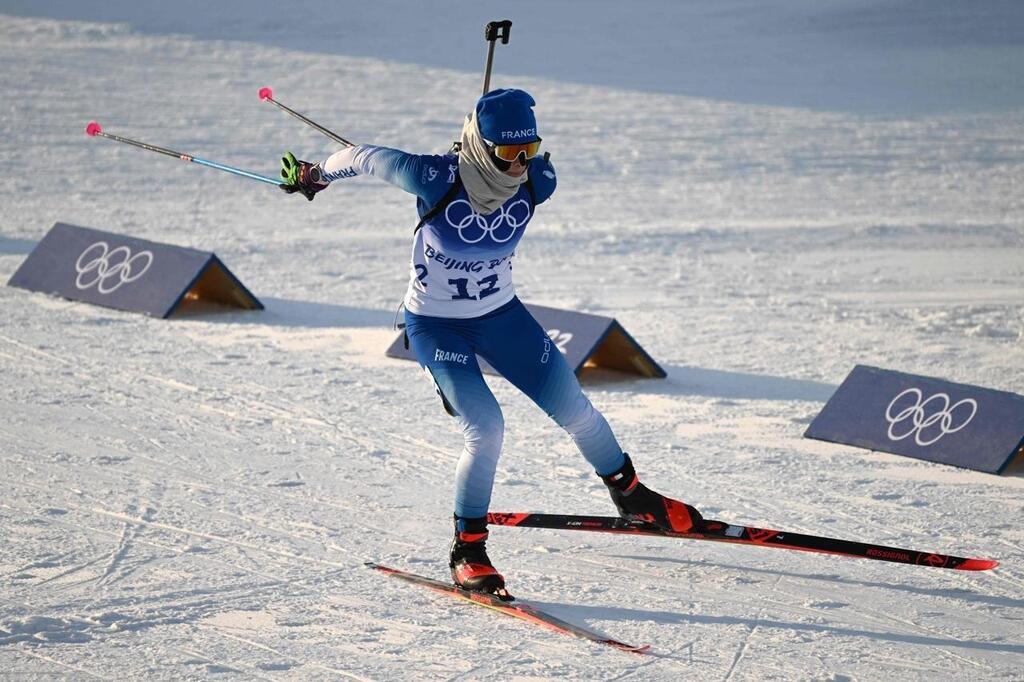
{"x":461,"y":303}
{"x":461,"y":262}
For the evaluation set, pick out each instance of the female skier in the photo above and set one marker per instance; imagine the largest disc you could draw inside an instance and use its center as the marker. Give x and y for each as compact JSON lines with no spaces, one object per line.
{"x":474,"y":204}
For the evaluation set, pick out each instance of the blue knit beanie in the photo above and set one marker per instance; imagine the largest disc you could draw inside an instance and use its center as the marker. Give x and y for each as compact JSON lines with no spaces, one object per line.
{"x":506,"y":117}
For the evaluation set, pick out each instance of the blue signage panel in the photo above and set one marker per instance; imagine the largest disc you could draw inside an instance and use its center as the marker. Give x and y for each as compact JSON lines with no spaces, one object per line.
{"x":120,"y":272}
{"x":582,"y":338}
{"x":925,"y":418}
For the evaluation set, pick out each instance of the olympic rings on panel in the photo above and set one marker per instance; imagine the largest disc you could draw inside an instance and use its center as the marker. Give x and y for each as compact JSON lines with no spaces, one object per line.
{"x":917,"y":418}
{"x":510,"y":218}
{"x":109,"y":269}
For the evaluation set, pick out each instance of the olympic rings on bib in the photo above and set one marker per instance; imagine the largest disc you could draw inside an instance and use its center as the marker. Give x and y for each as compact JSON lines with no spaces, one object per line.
{"x":473,"y":227}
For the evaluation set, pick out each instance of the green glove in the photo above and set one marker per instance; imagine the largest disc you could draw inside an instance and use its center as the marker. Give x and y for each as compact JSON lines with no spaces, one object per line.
{"x":300,"y":176}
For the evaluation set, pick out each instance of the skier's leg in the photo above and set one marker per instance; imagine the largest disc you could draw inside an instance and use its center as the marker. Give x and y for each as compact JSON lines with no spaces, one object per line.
{"x":521,"y":350}
{"x":516,"y":345}
{"x":444,"y":349}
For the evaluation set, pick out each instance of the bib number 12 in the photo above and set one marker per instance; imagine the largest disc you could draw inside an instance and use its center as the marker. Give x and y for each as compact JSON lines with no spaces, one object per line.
{"x":488,"y":286}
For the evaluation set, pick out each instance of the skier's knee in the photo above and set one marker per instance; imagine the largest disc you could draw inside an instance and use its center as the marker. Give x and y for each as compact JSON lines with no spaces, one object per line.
{"x":577,"y":416}
{"x":486,"y":434}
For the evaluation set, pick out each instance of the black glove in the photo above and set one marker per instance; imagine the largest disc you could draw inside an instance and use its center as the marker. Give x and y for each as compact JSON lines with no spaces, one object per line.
{"x":300,"y":176}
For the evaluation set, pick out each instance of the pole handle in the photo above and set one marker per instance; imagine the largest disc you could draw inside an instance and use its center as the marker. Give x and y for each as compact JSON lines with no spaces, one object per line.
{"x":498,"y":29}
{"x":493,"y":31}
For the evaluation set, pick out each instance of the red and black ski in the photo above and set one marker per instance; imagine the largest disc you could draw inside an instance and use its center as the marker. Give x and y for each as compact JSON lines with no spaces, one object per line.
{"x":719,"y":531}
{"x":514,"y":608}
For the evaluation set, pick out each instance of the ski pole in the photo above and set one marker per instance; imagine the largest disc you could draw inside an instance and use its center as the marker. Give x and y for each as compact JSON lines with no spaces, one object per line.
{"x":94,"y":129}
{"x":492,"y":31}
{"x":267,"y":95}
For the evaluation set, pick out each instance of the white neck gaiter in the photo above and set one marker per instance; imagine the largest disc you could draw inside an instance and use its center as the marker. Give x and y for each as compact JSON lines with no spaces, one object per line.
{"x":488,"y":188}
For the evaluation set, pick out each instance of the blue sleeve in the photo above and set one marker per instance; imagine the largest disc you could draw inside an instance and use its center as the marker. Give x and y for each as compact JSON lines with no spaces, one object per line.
{"x":428,"y":176}
{"x":542,"y":175}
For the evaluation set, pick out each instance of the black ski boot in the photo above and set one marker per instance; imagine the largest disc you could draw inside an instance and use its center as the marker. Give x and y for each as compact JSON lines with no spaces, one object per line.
{"x":637,"y":502}
{"x":471,"y":567}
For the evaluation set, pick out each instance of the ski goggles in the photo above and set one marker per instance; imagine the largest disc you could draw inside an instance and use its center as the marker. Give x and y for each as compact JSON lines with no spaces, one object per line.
{"x":511,"y":152}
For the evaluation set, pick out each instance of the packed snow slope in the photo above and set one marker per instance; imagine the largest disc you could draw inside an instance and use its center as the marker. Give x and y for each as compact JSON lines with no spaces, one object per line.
{"x":195,"y":498}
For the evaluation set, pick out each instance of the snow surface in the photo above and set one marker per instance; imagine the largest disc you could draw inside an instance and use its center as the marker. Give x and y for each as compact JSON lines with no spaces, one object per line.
{"x":194,"y":498}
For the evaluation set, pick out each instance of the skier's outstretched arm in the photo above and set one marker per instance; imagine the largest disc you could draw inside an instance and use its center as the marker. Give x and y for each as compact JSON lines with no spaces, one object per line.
{"x":425,"y":175}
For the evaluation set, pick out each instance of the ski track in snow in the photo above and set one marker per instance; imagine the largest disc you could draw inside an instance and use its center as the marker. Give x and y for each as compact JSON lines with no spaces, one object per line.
{"x":194,"y":498}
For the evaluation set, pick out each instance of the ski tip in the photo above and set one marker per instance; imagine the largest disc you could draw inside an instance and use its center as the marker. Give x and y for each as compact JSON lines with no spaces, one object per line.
{"x":93,"y":129}
{"x":631,"y":648}
{"x":978,"y":565}
{"x":266,"y":93}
